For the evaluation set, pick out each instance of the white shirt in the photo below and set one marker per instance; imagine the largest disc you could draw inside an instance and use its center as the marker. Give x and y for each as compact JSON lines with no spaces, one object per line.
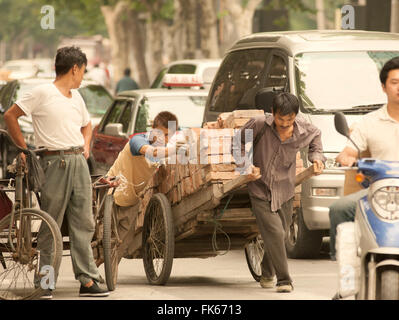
{"x":378,"y":132}
{"x":57,"y":120}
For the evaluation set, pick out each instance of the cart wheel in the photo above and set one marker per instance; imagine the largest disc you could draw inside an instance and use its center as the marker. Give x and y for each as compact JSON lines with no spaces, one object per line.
{"x":158,"y":240}
{"x":254,"y":257}
{"x":109,"y":245}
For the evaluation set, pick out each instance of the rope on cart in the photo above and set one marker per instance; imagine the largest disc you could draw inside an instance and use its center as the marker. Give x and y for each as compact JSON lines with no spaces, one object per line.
{"x":218,"y":227}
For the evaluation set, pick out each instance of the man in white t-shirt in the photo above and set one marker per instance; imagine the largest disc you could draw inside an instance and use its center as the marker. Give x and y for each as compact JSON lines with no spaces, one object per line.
{"x":377,"y":131}
{"x":62,"y":125}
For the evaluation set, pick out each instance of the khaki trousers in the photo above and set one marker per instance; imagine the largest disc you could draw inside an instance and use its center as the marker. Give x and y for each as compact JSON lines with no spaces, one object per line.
{"x":67,"y":194}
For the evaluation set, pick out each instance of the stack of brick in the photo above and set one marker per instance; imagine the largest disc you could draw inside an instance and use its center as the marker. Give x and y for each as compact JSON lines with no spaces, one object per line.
{"x":210,"y":161}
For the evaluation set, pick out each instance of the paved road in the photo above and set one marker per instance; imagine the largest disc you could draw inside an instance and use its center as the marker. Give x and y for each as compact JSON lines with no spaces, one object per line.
{"x":222,"y":277}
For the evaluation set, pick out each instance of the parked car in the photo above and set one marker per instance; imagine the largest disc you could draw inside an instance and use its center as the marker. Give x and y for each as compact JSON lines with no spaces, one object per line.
{"x":133,"y":111}
{"x":203,"y":69}
{"x":20,"y":69}
{"x":328,"y":71}
{"x":96,"y":97}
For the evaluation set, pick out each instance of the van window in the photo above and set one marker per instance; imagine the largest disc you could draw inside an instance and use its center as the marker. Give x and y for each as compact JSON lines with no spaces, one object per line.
{"x":277,"y":76}
{"x":239,"y":78}
{"x":340,"y":81}
{"x":115,"y":113}
{"x":142,"y":119}
{"x":182,"y":68}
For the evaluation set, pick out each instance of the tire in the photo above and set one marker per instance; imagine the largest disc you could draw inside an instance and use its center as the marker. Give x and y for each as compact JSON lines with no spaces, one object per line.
{"x":254,"y":255}
{"x":23,"y":286}
{"x":158,"y":227}
{"x":389,"y":284}
{"x":109,"y":245}
{"x":302,"y":243}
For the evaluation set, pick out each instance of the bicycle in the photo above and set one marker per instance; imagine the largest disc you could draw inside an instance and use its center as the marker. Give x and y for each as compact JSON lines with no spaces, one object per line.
{"x":27,"y":268}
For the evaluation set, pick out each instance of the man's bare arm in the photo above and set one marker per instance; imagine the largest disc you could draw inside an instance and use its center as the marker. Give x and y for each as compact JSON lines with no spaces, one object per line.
{"x":156,"y":151}
{"x":11,"y":119}
{"x":347,"y":157}
{"x":87,"y":134}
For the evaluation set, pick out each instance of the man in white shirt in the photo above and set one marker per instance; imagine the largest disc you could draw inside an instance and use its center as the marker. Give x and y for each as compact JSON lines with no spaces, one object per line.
{"x":62,"y":125}
{"x":378,"y":131}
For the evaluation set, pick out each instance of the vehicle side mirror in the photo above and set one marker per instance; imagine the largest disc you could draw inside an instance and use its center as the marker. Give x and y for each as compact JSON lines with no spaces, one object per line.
{"x":264,"y":98}
{"x":114,"y":129}
{"x":342,"y":127}
{"x":340,"y":124}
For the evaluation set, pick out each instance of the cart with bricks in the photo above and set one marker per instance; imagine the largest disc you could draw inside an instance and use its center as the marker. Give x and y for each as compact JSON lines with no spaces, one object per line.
{"x":198,"y":206}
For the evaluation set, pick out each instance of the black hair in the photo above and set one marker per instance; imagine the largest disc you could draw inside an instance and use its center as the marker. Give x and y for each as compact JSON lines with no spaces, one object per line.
{"x":285,"y":103}
{"x":126,"y":72}
{"x":67,"y":57}
{"x":162,"y":119}
{"x":388,"y":66}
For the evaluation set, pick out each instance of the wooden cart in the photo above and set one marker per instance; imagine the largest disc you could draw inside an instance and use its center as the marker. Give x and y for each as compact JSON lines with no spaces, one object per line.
{"x":204,"y":224}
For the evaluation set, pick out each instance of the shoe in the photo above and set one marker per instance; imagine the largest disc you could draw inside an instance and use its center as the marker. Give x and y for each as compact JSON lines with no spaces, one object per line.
{"x":266,"y":283}
{"x":46,"y":295}
{"x":285,"y":288}
{"x":93,"y":291}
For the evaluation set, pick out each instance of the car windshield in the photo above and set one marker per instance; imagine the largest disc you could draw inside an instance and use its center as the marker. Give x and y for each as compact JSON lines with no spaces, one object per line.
{"x":347,"y":81}
{"x":97,"y":99}
{"x":189,"y":110}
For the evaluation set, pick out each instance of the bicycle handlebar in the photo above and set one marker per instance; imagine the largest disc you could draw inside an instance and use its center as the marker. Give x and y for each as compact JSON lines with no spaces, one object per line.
{"x":20,"y":149}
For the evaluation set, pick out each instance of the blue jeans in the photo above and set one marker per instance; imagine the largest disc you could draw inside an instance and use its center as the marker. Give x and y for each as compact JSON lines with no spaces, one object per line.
{"x":342,"y":210}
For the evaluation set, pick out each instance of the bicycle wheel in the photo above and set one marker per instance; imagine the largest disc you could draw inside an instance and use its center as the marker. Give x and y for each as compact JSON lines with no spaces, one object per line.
{"x":254,"y":257}
{"x":158,"y":240}
{"x":109,"y":244}
{"x":27,"y":270}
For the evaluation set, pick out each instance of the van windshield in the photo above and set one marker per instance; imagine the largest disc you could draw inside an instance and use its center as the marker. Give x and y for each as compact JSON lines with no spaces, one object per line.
{"x":347,"y":81}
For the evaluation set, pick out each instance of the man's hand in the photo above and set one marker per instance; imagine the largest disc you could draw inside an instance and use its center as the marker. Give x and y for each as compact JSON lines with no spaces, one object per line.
{"x":86,"y":152}
{"x":113,"y":182}
{"x":318,"y":167}
{"x":347,"y":157}
{"x":253,"y":173}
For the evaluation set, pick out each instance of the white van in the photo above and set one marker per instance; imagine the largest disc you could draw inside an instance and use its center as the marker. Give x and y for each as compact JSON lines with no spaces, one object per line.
{"x":328,"y":71}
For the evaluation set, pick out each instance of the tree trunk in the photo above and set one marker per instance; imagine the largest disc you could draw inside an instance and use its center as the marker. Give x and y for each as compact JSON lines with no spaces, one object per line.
{"x":138,"y":48}
{"x":320,"y":15}
{"x":239,"y":22}
{"x":154,"y":46}
{"x":243,"y":16}
{"x":116,"y":26}
{"x":208,"y":30}
{"x":188,"y":11}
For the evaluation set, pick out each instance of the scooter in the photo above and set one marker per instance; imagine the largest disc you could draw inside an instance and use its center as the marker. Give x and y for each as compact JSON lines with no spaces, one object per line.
{"x":368,"y":248}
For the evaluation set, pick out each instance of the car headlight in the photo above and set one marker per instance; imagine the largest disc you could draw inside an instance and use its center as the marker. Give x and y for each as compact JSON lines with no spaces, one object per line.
{"x":330,"y":162}
{"x":386,"y":202}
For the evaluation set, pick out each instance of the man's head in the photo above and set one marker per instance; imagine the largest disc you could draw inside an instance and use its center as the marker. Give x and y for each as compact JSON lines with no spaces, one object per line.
{"x":126,"y":72}
{"x":71,"y":62}
{"x":165,"y":124}
{"x":389,"y":77}
{"x":285,"y":108}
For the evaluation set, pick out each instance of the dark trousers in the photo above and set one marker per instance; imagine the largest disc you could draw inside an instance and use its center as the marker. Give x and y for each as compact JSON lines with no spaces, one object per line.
{"x":273,"y":227}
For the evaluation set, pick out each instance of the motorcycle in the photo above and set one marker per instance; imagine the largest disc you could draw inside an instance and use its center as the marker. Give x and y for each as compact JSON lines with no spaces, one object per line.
{"x":368,"y":248}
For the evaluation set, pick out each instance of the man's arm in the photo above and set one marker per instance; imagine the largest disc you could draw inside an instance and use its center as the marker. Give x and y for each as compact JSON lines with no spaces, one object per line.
{"x":155,"y":151}
{"x":316,"y":155}
{"x":11,"y":120}
{"x":87,"y":134}
{"x":347,"y":157}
